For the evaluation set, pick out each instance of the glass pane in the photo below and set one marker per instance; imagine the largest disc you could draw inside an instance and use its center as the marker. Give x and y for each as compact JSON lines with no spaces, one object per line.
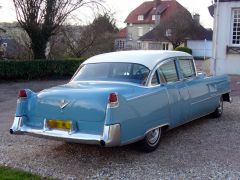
{"x":168,"y":72}
{"x":155,"y":80}
{"x":236,"y":26}
{"x":128,"y":72}
{"x":187,"y":68}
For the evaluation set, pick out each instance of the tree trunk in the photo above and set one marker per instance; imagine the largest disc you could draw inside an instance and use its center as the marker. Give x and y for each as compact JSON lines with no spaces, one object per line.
{"x":38,"y":51}
{"x":38,"y":45}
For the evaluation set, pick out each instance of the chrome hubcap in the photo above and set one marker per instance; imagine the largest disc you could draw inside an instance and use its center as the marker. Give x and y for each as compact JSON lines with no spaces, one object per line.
{"x":153,"y":136}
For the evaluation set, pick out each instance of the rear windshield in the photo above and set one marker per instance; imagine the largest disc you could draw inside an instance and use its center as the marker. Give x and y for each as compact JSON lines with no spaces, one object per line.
{"x":126,"y":72}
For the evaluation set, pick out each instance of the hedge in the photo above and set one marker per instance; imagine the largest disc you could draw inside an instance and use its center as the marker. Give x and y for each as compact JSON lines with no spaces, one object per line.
{"x":184,"y":49}
{"x":37,"y":69}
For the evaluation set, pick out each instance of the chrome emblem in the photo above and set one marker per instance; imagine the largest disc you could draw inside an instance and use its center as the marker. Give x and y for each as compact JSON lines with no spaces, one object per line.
{"x":63,"y":104}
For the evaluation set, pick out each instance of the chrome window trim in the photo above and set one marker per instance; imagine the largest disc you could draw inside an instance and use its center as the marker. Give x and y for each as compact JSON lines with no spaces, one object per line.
{"x":75,"y":74}
{"x":157,"y":66}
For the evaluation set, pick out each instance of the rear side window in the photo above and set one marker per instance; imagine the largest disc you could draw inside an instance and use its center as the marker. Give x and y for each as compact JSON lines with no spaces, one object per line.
{"x":187,"y":68}
{"x":168,"y":72}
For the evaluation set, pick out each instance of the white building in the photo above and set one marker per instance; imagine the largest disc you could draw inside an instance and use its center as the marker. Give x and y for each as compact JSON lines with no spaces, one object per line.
{"x":201,"y":44}
{"x":226,"y":37}
{"x":200,"y":48}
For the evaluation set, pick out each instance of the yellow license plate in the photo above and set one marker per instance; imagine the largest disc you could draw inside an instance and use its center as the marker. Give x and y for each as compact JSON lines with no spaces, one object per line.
{"x":59,"y":124}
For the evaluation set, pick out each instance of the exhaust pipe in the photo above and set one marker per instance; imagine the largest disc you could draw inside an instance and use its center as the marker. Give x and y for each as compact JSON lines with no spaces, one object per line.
{"x":102,"y":143}
{"x":11,"y":131}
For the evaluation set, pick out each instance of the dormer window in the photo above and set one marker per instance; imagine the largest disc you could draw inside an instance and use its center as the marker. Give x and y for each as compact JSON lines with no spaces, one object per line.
{"x":153,"y":17}
{"x":140,"y":17}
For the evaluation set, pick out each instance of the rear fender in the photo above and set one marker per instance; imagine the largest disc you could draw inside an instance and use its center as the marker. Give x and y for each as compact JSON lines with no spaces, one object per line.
{"x":22,"y":104}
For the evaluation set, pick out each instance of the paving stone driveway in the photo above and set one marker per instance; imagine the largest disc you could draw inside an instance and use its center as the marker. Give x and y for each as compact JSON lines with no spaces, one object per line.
{"x":204,"y":149}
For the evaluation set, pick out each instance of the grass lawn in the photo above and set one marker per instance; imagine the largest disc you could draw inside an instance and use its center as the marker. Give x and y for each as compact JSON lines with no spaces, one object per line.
{"x":9,"y":174}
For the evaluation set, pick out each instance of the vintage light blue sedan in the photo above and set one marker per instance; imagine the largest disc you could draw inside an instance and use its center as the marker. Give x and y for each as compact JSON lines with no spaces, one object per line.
{"x":120,"y":98}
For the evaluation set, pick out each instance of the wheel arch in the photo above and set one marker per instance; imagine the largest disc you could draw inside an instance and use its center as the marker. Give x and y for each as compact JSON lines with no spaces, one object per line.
{"x":227,"y":97}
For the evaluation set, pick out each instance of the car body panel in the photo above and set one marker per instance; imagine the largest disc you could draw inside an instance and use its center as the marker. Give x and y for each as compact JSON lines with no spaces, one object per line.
{"x":139,"y":109}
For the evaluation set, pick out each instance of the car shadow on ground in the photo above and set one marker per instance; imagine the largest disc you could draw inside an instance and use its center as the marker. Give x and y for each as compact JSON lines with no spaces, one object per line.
{"x":167,"y":136}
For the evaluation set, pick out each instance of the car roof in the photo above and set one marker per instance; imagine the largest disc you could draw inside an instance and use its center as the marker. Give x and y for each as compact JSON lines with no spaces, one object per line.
{"x":148,"y":58}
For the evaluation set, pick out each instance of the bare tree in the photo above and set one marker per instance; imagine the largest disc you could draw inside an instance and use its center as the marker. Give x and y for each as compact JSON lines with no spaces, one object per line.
{"x":177,"y":28}
{"x":41,"y":19}
{"x":96,"y":38}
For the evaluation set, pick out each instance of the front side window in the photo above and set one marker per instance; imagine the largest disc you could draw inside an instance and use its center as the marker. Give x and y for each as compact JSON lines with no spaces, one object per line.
{"x":168,"y":72}
{"x":187,"y":68}
{"x":125,"y":72}
{"x":236,"y":27}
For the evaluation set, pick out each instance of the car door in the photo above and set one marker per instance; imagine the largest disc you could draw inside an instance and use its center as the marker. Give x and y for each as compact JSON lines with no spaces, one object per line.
{"x":197,"y":87}
{"x":177,"y":91}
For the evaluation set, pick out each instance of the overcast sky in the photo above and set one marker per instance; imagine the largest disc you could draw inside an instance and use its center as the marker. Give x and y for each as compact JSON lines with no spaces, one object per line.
{"x":122,"y":8}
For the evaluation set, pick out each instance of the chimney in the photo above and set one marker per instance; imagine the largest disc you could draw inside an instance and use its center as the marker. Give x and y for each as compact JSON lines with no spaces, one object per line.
{"x":156,"y":3}
{"x":196,"y":18}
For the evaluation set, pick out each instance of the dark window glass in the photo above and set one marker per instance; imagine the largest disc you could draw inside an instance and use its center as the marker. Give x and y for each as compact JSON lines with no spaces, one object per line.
{"x":155,"y":80}
{"x":187,"y":68}
{"x":168,"y":72}
{"x":127,"y":72}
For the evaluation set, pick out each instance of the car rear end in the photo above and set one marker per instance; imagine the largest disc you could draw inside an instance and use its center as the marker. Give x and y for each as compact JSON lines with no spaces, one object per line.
{"x":76,"y":115}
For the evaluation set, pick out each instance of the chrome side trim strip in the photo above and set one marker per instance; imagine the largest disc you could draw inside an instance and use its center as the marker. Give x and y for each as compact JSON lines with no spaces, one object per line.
{"x":213,"y":96}
{"x":142,"y":137}
{"x":157,"y":127}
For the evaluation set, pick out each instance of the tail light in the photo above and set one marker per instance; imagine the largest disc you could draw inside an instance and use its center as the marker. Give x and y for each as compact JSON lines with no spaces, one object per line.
{"x":22,"y":93}
{"x":113,"y":100}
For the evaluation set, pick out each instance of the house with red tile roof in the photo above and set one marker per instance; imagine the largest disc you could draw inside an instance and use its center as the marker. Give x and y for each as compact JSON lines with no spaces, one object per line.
{"x":144,"y":19}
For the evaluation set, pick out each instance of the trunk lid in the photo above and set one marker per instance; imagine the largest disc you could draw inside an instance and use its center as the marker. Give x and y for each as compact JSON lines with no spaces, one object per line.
{"x":82,"y":103}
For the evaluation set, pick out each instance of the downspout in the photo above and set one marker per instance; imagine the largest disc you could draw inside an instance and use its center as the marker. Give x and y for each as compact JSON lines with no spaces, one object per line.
{"x":205,"y":47}
{"x":216,"y":39}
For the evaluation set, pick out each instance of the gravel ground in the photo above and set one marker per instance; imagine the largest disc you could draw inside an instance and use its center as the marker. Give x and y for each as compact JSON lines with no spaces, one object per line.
{"x":203,"y":149}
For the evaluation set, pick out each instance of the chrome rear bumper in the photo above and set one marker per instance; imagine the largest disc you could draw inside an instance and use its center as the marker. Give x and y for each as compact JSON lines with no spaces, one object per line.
{"x":109,"y":138}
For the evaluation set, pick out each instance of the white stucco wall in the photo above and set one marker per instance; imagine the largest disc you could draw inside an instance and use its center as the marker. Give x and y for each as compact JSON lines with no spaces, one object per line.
{"x":225,"y":63}
{"x":200,"y":48}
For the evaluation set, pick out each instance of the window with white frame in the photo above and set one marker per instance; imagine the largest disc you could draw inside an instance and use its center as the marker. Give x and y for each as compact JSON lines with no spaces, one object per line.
{"x":139,"y":45}
{"x":140,"y":31}
{"x":168,"y":32}
{"x":153,"y":17}
{"x":121,"y":44}
{"x":140,"y":17}
{"x":154,"y":46}
{"x":130,"y":36}
{"x":236,"y":27}
{"x":165,"y":46}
